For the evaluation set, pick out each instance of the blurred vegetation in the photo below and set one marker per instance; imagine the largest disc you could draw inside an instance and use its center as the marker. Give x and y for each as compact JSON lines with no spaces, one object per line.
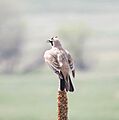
{"x":11,"y":36}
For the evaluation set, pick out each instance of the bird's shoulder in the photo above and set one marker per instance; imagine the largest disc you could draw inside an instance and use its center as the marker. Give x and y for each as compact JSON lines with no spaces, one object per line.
{"x":50,"y":54}
{"x":47,"y":55}
{"x":54,"y":52}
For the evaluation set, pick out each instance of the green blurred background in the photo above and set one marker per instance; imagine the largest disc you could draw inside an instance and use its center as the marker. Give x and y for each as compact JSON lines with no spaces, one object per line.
{"x":88,"y":29}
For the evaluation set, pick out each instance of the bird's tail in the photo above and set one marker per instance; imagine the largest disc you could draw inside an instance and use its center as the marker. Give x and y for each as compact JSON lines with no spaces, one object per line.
{"x":66,"y":83}
{"x":71,"y":87}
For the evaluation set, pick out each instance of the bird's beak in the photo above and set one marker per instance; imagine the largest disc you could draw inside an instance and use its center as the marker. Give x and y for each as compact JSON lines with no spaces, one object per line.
{"x":49,"y":41}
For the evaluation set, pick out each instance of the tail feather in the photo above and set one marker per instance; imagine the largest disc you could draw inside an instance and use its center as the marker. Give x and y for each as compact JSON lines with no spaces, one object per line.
{"x":62,"y":84}
{"x":71,"y":88}
{"x":62,"y":81}
{"x":66,"y":84}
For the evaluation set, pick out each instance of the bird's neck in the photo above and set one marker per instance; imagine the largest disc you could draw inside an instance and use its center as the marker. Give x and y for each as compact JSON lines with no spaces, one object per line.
{"x":58,"y":47}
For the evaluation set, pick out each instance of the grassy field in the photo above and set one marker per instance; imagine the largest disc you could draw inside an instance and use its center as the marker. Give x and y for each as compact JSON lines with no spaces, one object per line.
{"x":34,"y":97}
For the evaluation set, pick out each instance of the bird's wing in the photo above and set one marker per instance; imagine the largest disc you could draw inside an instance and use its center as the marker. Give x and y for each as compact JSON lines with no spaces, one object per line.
{"x":51,"y":59}
{"x":61,"y":59}
{"x":71,"y":63}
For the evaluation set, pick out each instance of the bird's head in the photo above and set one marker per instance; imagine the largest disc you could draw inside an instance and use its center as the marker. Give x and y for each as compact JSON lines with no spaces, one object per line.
{"x":54,"y":41}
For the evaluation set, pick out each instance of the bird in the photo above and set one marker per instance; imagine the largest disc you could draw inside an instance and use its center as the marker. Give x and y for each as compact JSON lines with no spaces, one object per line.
{"x":61,"y":62}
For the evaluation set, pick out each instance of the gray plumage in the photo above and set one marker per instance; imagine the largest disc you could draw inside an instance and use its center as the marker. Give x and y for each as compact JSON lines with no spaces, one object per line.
{"x":61,"y":62}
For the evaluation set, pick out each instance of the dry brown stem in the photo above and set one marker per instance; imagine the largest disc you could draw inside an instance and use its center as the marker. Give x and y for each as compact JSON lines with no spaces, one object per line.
{"x":62,"y":105}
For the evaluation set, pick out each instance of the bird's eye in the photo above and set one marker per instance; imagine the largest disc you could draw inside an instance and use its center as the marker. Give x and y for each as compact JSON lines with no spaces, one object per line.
{"x":52,"y":38}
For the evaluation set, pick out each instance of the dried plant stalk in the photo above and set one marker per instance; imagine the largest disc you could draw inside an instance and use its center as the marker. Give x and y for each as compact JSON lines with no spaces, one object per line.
{"x":62,"y":105}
